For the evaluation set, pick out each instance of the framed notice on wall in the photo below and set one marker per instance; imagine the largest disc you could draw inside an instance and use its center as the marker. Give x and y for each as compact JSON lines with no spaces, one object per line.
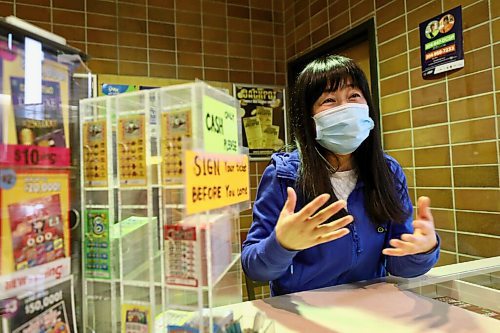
{"x":441,"y":43}
{"x":264,"y":121}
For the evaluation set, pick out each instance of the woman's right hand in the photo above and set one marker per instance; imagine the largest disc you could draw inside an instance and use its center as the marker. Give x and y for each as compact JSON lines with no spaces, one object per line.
{"x":302,"y":230}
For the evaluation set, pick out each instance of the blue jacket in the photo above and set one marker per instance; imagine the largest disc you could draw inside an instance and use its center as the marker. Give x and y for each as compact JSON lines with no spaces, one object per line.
{"x":354,"y":257}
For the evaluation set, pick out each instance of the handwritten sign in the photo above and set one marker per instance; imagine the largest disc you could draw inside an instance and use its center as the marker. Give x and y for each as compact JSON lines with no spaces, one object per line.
{"x":220,"y":127}
{"x":215,"y":180}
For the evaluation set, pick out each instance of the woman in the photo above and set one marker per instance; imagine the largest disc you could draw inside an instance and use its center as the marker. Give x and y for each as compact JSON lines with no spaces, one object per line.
{"x":302,"y":236}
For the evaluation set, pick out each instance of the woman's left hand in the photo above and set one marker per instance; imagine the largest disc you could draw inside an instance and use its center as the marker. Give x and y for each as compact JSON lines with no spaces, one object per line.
{"x":423,"y":238}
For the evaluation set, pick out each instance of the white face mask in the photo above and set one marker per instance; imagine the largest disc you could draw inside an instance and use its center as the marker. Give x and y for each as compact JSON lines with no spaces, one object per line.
{"x":343,"y":128}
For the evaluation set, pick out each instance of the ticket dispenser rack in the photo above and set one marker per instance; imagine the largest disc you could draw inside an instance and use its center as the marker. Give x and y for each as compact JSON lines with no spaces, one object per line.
{"x":36,"y":284}
{"x":164,"y":179}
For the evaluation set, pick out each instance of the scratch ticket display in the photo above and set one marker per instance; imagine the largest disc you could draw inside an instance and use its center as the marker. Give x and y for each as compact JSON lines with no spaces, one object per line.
{"x":96,"y":244}
{"x":37,"y":231}
{"x":136,"y":319}
{"x":131,"y":151}
{"x":48,"y":310}
{"x":95,"y":153}
{"x":175,"y":126}
{"x":180,"y":255}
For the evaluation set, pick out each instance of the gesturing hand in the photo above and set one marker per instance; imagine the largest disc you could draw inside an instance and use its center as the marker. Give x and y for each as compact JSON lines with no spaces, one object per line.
{"x":423,"y":238}
{"x":302,"y":230}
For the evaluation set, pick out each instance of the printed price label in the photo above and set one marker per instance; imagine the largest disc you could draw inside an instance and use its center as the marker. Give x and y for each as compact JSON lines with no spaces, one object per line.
{"x":22,"y":155}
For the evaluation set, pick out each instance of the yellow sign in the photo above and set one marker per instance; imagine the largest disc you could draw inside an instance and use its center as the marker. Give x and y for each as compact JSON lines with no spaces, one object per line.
{"x":220,"y":127}
{"x":215,"y":180}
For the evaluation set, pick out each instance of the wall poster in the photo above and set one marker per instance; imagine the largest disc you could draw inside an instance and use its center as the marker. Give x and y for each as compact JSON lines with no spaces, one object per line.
{"x":441,"y":43}
{"x":264,"y":120}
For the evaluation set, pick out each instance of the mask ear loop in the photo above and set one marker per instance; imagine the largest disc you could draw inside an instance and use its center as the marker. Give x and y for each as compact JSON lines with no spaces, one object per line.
{"x":330,"y":167}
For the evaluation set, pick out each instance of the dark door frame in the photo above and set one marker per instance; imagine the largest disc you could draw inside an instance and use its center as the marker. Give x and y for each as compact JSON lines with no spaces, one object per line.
{"x":362,"y":32}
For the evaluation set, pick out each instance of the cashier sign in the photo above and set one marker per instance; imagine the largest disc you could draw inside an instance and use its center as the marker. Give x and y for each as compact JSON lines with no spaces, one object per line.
{"x":215,"y":180}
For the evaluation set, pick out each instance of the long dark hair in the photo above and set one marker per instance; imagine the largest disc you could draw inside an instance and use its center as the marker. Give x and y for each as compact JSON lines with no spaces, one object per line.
{"x":330,"y":73}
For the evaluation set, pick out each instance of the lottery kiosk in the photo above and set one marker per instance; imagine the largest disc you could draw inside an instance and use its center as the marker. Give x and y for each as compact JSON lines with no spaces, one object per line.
{"x":164,"y":179}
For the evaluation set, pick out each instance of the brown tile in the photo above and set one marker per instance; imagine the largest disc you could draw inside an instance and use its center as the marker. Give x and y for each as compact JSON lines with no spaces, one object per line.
{"x":339,"y":23}
{"x":411,"y":5}
{"x":240,"y":63}
{"x":396,"y":121}
{"x":216,"y":75}
{"x":188,"y":45}
{"x":362,"y":10}
{"x":485,"y":200}
{"x":189,"y":59}
{"x":69,"y":32}
{"x":261,"y":27}
{"x":215,"y":61}
{"x":446,"y":259}
{"x":497,"y":77}
{"x":496,"y":54}
{"x":162,"y":57}
{"x":238,"y":24}
{"x":68,"y":17}
{"x":240,"y":77}
{"x":260,"y":65}
{"x":35,"y":2}
{"x":440,"y":198}
{"x":392,"y":48}
{"x":263,"y":78}
{"x":161,"y":14}
{"x":239,"y":50}
{"x":430,"y":9}
{"x":391,"y":30}
{"x":394,"y":84}
{"x":187,"y":31}
{"x":215,"y":8}
{"x":431,"y":136}
{"x":396,"y":9}
{"x":260,"y":3}
{"x":192,"y":18}
{"x":404,"y":157}
{"x":338,"y":7}
{"x":414,"y":40}
{"x":428,"y":95}
{"x":260,"y":40}
{"x":162,"y":29}
{"x":495,"y":9}
{"x":102,"y":22}
{"x":74,"y":5}
{"x":481,"y":223}
{"x":394,"y":66}
{"x":302,"y":17}
{"x":7,"y":9}
{"x":319,"y":5}
{"x":102,"y":51}
{"x":162,"y":43}
{"x":261,"y":14}
{"x":472,"y":107}
{"x":410,"y":179}
{"x":397,"y":140}
{"x":101,"y":7}
{"x":320,"y":34}
{"x":262,"y":52}
{"x":443,"y":218}
{"x":475,"y":153}
{"x":131,"y":11}
{"x":439,"y":156}
{"x":190,"y":73}
{"x":450,"y":4}
{"x":193,"y":6}
{"x":395,"y":103}
{"x":438,"y":177}
{"x":476,"y":176}
{"x":475,"y":14}
{"x":447,"y":241}
{"x":462,"y":258}
{"x":476,"y":61}
{"x":478,"y":37}
{"x":417,"y":80}
{"x":33,"y":13}
{"x":415,"y":59}
{"x":101,"y":36}
{"x":103,"y":66}
{"x":162,"y":70}
{"x":139,"y":26}
{"x":162,"y":3}
{"x":214,"y":21}
{"x":318,"y":19}
{"x":477,"y":245}
{"x":214,"y":48}
{"x":474,"y":130}
{"x":215,"y":35}
{"x":380,"y":3}
{"x":133,"y":68}
{"x":430,"y":115}
{"x":132,"y":39}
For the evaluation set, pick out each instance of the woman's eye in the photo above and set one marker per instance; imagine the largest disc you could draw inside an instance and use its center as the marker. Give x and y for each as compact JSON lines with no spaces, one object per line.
{"x":328,"y":100}
{"x":355,"y":95}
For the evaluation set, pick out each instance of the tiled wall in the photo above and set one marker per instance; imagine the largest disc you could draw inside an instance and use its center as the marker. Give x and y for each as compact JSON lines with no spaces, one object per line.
{"x":444,"y":131}
{"x":215,"y":40}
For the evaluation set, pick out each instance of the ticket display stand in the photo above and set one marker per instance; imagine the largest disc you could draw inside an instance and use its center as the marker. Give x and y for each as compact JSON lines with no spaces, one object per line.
{"x":164,"y":178}
{"x":36,"y":285}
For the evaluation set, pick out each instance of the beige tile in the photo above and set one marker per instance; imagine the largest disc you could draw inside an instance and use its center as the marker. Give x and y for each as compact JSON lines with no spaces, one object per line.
{"x":417,"y":80}
{"x":476,"y":176}
{"x":394,"y":66}
{"x":447,"y":240}
{"x":476,"y":61}
{"x":437,"y":135}
{"x":392,"y":48}
{"x":475,"y":14}
{"x":396,"y":9}
{"x":396,"y":121}
{"x":472,"y":107}
{"x":414,"y":40}
{"x":446,"y":259}
{"x":476,"y":245}
{"x":431,"y":9}
{"x":395,"y":103}
{"x":439,"y":177}
{"x":429,"y":115}
{"x":410,"y":179}
{"x":480,"y":36}
{"x":440,"y":198}
{"x":391,"y":30}
{"x":481,"y":223}
{"x":404,"y":157}
{"x":415,"y":59}
{"x":495,"y":9}
{"x":394,"y":84}
{"x":397,"y":140}
{"x":439,"y":156}
{"x":428,"y":95}
{"x":443,"y":218}
{"x":478,"y":199}
{"x":476,"y":153}
{"x":474,"y":130}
